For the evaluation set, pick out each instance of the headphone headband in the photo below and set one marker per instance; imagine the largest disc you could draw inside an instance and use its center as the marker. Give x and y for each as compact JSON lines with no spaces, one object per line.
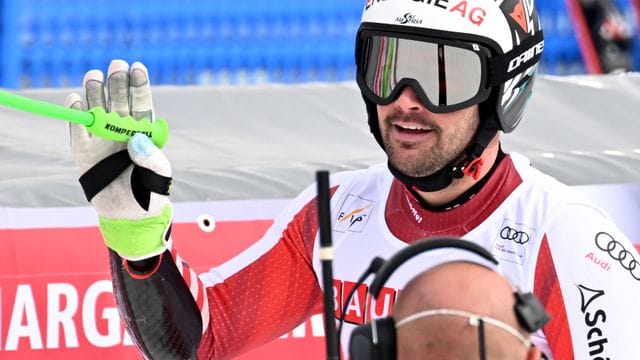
{"x":383,"y":274}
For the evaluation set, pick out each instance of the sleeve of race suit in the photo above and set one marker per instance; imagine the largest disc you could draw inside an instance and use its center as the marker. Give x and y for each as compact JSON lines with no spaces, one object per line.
{"x":588,"y":278}
{"x":256,"y":297}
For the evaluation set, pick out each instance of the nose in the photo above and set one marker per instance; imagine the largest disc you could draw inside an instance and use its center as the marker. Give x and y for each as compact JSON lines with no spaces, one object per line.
{"x":408,"y":101}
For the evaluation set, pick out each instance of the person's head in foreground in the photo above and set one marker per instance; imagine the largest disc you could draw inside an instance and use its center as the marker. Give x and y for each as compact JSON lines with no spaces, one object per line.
{"x":442,"y":312}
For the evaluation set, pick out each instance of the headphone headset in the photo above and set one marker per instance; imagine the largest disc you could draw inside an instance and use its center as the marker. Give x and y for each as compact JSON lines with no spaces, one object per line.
{"x":377,"y":340}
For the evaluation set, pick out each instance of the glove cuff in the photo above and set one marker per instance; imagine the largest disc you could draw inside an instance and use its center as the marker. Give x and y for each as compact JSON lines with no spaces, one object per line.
{"x":137,"y":239}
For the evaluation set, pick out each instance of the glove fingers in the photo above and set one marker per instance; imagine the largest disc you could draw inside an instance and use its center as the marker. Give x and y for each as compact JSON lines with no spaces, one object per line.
{"x":141,"y":103}
{"x":78,"y":132}
{"x":94,"y":90}
{"x":118,"y":87}
{"x":74,"y":101}
{"x":145,"y":154}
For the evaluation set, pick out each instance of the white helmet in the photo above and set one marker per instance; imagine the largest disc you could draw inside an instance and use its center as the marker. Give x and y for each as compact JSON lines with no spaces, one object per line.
{"x":454,"y":53}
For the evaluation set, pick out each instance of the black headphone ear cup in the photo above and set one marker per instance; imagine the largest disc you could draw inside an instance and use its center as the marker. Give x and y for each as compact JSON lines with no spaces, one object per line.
{"x":361,"y":343}
{"x":386,"y":348}
{"x":531,"y":314}
{"x":363,"y":347}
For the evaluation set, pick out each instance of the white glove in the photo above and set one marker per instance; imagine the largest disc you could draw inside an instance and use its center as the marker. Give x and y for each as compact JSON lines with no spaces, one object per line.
{"x":133,"y":228}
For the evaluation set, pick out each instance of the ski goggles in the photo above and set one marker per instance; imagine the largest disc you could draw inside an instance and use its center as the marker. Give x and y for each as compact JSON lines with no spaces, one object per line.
{"x":447,"y":75}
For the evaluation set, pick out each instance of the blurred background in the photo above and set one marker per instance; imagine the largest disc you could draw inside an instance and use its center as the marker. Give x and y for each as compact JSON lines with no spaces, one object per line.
{"x":51,"y":43}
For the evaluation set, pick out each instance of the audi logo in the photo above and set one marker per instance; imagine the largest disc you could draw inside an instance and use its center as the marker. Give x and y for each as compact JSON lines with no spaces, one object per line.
{"x":618,"y":252}
{"x":517,"y":236}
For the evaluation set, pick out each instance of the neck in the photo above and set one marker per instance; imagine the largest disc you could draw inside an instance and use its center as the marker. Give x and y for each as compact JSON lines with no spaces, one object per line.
{"x":460,"y":186}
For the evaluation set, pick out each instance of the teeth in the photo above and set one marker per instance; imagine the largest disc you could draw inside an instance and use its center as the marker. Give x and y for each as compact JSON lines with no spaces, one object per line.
{"x":411,"y":127}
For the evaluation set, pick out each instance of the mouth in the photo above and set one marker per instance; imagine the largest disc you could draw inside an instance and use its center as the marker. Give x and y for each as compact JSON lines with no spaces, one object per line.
{"x":411,"y":133}
{"x":412,"y":128}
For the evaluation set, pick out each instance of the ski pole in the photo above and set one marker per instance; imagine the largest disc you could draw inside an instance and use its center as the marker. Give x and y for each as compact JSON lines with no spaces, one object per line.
{"x":332,"y":343}
{"x":110,"y":126}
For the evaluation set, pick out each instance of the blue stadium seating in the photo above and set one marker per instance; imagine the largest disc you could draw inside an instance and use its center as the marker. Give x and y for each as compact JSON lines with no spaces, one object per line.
{"x":50,"y":43}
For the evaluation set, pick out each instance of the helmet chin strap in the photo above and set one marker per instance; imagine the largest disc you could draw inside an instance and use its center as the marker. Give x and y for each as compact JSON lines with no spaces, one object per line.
{"x":470,"y":165}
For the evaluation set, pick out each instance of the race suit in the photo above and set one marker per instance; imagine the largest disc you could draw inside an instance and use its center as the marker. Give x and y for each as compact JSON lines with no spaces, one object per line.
{"x":547,"y":238}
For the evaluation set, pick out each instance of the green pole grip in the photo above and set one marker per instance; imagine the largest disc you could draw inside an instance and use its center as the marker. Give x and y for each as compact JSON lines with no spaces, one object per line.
{"x":114,"y":127}
{"x":110,"y":126}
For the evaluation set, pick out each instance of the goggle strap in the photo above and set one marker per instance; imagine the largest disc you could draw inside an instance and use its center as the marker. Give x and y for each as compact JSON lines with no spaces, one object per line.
{"x":507,"y":66}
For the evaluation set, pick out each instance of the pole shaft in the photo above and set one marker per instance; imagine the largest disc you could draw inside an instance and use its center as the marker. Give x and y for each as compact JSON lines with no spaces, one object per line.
{"x":44,"y":108}
{"x":324,"y":224}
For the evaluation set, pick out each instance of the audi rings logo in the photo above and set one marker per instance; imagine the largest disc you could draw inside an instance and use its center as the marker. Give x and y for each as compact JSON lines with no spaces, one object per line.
{"x":618,"y":252}
{"x":511,"y":242}
{"x":511,"y":234}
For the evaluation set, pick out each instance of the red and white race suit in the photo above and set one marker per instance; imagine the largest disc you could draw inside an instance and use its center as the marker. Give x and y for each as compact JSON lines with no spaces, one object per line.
{"x":548,"y":240}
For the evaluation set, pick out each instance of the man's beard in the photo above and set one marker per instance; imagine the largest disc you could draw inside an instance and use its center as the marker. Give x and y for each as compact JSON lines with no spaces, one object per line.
{"x":446,"y":149}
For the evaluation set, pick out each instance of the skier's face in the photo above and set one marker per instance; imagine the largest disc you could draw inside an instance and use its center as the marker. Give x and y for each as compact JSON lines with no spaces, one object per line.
{"x":419,"y":142}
